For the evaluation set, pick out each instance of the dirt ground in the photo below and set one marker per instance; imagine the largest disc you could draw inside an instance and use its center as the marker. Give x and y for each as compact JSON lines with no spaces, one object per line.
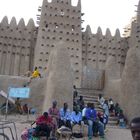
{"x":22,"y":121}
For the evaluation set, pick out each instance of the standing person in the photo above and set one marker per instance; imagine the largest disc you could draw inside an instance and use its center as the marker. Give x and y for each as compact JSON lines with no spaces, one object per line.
{"x":97,"y":124}
{"x":81,"y":103}
{"x":106,"y":113}
{"x":111,"y":105}
{"x":91,"y":117}
{"x":101,"y":100}
{"x":75,"y":95}
{"x":135,"y":128}
{"x":65,"y":116}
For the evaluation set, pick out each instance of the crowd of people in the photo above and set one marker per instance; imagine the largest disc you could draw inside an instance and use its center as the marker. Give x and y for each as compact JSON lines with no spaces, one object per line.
{"x":82,"y":114}
{"x":23,"y":109}
{"x":114,"y":110}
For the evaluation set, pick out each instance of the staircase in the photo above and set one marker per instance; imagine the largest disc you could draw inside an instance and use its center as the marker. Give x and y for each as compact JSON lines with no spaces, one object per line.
{"x":91,"y":96}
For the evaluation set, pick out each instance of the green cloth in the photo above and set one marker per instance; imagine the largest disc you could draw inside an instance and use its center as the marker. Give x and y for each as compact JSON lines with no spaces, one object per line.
{"x":35,"y":138}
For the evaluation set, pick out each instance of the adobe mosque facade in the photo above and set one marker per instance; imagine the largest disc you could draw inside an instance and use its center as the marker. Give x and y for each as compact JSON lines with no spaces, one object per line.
{"x":107,"y":63}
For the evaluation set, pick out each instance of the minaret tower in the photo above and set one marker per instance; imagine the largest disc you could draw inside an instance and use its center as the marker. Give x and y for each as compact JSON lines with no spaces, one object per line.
{"x":60,"y":21}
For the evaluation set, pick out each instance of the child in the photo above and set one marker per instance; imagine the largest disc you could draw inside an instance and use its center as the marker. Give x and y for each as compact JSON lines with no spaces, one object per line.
{"x":122,"y":123}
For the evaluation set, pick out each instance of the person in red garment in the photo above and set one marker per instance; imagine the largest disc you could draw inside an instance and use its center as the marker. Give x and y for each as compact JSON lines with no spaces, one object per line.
{"x":44,"y":125}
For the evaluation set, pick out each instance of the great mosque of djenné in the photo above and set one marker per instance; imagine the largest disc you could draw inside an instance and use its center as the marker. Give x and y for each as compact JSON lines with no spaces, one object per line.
{"x":66,"y":55}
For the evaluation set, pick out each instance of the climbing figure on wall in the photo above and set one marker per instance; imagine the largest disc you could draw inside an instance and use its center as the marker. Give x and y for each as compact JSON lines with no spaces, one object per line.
{"x":36,"y":73}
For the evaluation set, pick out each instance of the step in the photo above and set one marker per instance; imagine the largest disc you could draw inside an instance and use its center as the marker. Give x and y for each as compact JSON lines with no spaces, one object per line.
{"x":91,"y":96}
{"x":89,"y":93}
{"x":88,"y":96}
{"x":113,"y":118}
{"x":89,"y":99}
{"x":95,"y":103}
{"x":112,"y":122}
{"x":89,"y":90}
{"x":112,"y":126}
{"x":98,"y":109}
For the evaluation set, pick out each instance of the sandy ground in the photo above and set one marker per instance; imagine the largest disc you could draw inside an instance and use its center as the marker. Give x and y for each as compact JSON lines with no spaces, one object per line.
{"x":22,"y":121}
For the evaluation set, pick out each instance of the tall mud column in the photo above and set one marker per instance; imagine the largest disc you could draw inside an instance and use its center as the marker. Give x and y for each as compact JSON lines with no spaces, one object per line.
{"x":131,"y":84}
{"x":60,"y":78}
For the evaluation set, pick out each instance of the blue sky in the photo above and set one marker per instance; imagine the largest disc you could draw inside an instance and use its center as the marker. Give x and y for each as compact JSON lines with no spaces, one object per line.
{"x":104,"y":13}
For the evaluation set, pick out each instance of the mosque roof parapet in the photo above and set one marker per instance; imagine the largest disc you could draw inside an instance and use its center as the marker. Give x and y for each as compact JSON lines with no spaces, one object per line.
{"x":31,"y":23}
{"x":99,"y":31}
{"x":79,"y":4}
{"x":108,"y":33}
{"x":88,"y":29}
{"x":117,"y":33}
{"x":13,"y":22}
{"x":21,"y":23}
{"x":4,"y":21}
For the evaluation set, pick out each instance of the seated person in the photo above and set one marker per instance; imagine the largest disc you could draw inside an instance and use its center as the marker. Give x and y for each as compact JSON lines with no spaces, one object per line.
{"x":111,"y":105}
{"x":44,"y":125}
{"x":18,"y":106}
{"x":122,"y":120}
{"x":25,"y":108}
{"x":54,"y":113}
{"x":84,"y":113}
{"x":117,"y":109}
{"x":76,"y":116}
{"x":65,"y":116}
{"x":33,"y":111}
{"x":100,"y":116}
{"x":74,"y":105}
